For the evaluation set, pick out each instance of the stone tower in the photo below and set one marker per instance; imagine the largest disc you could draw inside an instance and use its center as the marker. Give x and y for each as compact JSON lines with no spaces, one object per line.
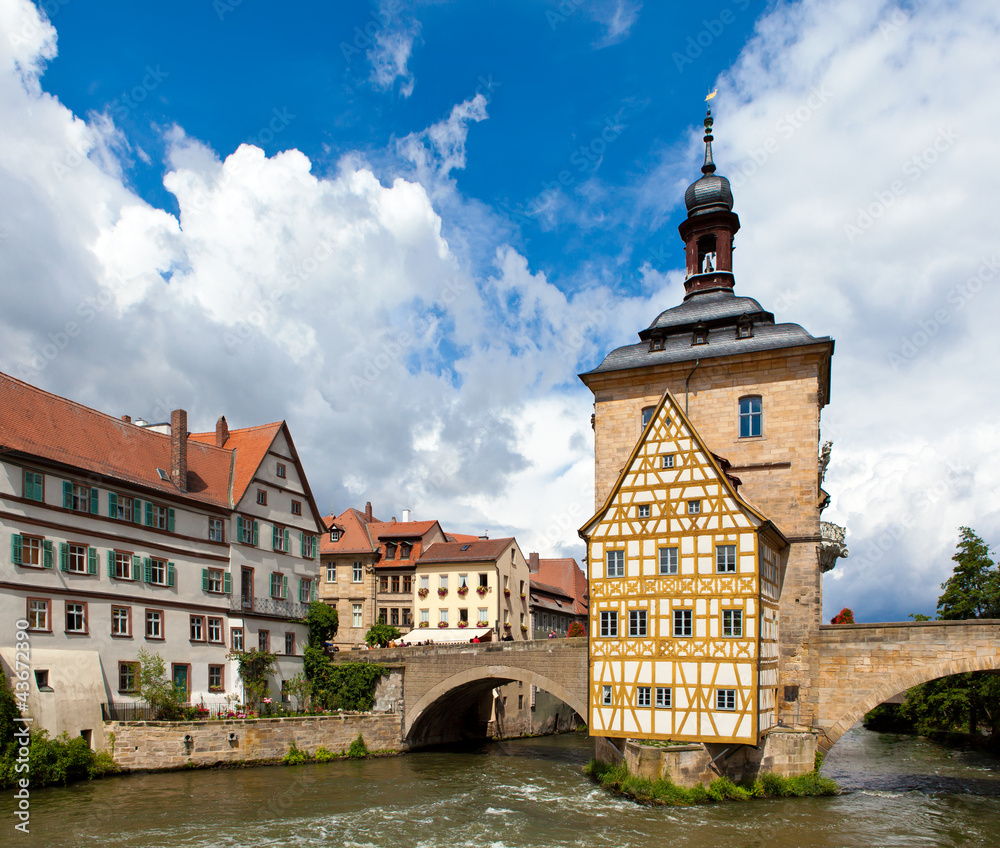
{"x":753,"y":389}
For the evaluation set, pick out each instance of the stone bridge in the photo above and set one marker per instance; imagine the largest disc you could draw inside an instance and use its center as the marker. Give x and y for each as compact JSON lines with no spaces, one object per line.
{"x":862,"y":665}
{"x":446,"y":688}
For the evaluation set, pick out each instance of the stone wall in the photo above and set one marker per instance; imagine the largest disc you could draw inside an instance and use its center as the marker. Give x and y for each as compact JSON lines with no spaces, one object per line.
{"x":141,"y":745}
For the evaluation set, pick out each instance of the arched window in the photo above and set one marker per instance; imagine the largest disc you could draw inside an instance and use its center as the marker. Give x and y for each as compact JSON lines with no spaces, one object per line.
{"x":647,"y":413}
{"x":750,"y":417}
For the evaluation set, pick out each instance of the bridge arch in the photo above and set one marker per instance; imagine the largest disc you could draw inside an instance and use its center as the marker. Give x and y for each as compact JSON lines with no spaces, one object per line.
{"x":912,"y":676}
{"x":477,"y":681}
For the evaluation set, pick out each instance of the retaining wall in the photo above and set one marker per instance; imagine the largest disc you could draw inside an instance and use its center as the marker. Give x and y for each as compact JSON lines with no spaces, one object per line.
{"x":151,"y":745}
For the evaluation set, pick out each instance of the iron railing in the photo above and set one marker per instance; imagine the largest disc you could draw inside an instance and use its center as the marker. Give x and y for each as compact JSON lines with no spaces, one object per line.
{"x":270,"y":606}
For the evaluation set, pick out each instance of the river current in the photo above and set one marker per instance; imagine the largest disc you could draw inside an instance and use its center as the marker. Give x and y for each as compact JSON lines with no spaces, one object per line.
{"x":898,"y":791}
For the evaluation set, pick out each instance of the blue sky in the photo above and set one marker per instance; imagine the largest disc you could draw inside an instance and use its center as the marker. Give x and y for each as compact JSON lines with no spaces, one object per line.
{"x":406,"y":227}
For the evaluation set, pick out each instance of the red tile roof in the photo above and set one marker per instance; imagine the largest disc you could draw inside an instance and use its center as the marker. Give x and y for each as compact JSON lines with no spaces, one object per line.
{"x":397,"y":529}
{"x":461,"y":537}
{"x":566,"y":577}
{"x":354,"y":538}
{"x":477,"y":551}
{"x":248,"y":446}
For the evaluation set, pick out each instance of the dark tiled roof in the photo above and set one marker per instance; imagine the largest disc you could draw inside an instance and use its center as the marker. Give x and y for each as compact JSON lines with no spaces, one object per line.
{"x":710,"y":307}
{"x":479,"y":551}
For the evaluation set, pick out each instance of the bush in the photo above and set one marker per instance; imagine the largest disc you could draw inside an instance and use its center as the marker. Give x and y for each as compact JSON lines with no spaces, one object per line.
{"x":295,"y":756}
{"x":358,"y":749}
{"x":576,"y":629}
{"x":323,"y":755}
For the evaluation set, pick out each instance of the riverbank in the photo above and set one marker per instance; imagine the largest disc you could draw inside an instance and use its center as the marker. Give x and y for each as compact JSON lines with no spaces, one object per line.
{"x":660,"y":791}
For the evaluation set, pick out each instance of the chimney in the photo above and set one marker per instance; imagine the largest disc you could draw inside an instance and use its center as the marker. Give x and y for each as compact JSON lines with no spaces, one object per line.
{"x":485,"y":537}
{"x":221,"y":431}
{"x":533,"y":562}
{"x":127,"y":419}
{"x":406,"y":515}
{"x":368,"y":511}
{"x":178,"y":448}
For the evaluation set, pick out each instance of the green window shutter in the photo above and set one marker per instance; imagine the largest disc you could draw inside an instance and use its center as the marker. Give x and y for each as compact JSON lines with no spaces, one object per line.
{"x":94,"y":504}
{"x":227,"y":583}
{"x":314,"y":595}
{"x":315,"y":550}
{"x":254,"y":538}
{"x":171,"y":575}
{"x":275,"y":535}
{"x":288,"y":541}
{"x":302,"y":543}
{"x":15,"y":549}
{"x":39,"y":487}
{"x":301,"y":586}
{"x":92,"y":561}
{"x":204,"y":580}
{"x":136,"y":511}
{"x":137,"y":570}
{"x":170,"y":519}
{"x":67,"y":494}
{"x":147,"y":570}
{"x":284,"y":587}
{"x":112,"y":504}
{"x":111,"y":563}
{"x":63,"y":556}
{"x":46,"y":554}
{"x":149,"y":514}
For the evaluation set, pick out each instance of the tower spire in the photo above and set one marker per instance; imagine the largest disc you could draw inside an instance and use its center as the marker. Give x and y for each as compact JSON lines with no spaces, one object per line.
{"x":709,"y":166}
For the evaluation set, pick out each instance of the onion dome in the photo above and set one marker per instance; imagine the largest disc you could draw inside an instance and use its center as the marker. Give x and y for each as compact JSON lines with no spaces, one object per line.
{"x":712,"y":192}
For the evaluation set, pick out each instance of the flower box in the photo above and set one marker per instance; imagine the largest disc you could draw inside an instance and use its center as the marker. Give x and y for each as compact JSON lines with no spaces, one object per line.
{"x":424,"y":624}
{"x":442,"y":592}
{"x":524,"y":628}
{"x":482,"y":590}
{"x":423,"y":593}
{"x":442,"y":624}
{"x":523,"y":596}
{"x":463,"y":591}
{"x":462,"y":625}
{"x":506,"y":593}
{"x":483,"y":623}
{"x":506,"y":627}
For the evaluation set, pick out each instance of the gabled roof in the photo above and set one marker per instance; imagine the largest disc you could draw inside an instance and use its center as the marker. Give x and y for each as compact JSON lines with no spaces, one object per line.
{"x":396,"y":532}
{"x":354,"y":537}
{"x":667,"y":401}
{"x":480,"y":550}
{"x":567,"y":577}
{"x":461,"y":537}
{"x":401,"y":529}
{"x":40,"y":424}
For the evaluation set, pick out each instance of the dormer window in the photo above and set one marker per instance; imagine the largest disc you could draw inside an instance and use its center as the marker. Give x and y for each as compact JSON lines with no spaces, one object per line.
{"x":390,"y":550}
{"x":700,"y":335}
{"x":744,"y":328}
{"x":335,"y":535}
{"x":656,"y":344}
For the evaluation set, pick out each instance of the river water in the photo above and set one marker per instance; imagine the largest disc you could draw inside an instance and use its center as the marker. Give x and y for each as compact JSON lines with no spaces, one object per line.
{"x":899,"y":791}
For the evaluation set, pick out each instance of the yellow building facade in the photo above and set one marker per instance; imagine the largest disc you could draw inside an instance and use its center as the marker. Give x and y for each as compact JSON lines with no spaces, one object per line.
{"x":684,"y":586}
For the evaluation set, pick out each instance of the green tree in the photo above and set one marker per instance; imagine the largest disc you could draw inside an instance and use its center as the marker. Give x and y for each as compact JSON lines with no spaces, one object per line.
{"x":255,"y":668}
{"x":381,"y":634}
{"x":323,"y":622}
{"x":973,"y":590}
{"x":155,"y":687}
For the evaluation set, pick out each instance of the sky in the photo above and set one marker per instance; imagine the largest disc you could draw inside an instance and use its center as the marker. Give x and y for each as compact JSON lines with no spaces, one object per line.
{"x":406,"y":226}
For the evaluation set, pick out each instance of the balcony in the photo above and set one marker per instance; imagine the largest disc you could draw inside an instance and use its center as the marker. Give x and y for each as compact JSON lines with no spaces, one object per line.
{"x":273,"y":607}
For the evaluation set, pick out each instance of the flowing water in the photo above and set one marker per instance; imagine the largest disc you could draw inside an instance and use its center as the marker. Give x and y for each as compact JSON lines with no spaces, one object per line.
{"x":898,"y":791}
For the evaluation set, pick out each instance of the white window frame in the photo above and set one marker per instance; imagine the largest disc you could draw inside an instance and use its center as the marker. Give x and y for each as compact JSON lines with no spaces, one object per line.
{"x":683,"y":623}
{"x":609,"y":624}
{"x":643,"y":511}
{"x":668,"y":460}
{"x":725,"y":559}
{"x":606,"y":696}
{"x":637,"y":623}
{"x":614,"y":563}
{"x":664,"y":697}
{"x":121,"y":621}
{"x":331,"y":572}
{"x":732,"y":621}
{"x":643,"y":696}
{"x":725,"y":699}
{"x":669,"y":566}
{"x":357,"y":573}
{"x":694,"y":507}
{"x":357,"y":613}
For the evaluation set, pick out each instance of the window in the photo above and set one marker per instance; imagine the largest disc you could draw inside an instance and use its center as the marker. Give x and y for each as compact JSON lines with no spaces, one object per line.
{"x":158,"y":516}
{"x":308,"y":543}
{"x":216,"y":678}
{"x":390,"y":550}
{"x":122,"y":507}
{"x":76,"y":558}
{"x":725,"y":699}
{"x":128,"y":677}
{"x":682,"y":622}
{"x":443,"y":581}
{"x":663,"y":699}
{"x":668,"y":560}
{"x":279,"y":539}
{"x":647,"y":413}
{"x":732,"y":622}
{"x":484,"y":616}
{"x":290,"y":644}
{"x":356,"y":615}
{"x":216,"y":581}
{"x":76,"y":617}
{"x":334,"y":535}
{"x":425,"y":616}
{"x":197,"y":628}
{"x":236,"y":634}
{"x":331,"y":572}
{"x":383,"y":583}
{"x":357,"y":573}
{"x":744,"y":329}
{"x":279,"y":469}
{"x":700,"y":335}
{"x":606,"y":695}
{"x":215,"y":631}
{"x":394,"y":616}
{"x":123,"y":565}
{"x":407,"y":584}
{"x":725,"y":559}
{"x":642,"y":696}
{"x":407,"y":618}
{"x":154,"y":624}
{"x":121,"y":621}
{"x":264,"y":640}
{"x":616,"y":564}
{"x":305,"y":590}
{"x":157,"y":572}
{"x":28,"y":550}
{"x":637,"y":622}
{"x":443,"y":616}
{"x":609,"y":623}
{"x":405,"y":549}
{"x":750,"y":417}
{"x":246,"y":531}
{"x":484,"y":580}
{"x":33,"y":486}
{"x":644,"y":511}
{"x":296,"y":507}
{"x":79,"y":498}
{"x":216,"y":533}
{"x":279,"y":585}
{"x":694,"y":507}
{"x":395,"y":583}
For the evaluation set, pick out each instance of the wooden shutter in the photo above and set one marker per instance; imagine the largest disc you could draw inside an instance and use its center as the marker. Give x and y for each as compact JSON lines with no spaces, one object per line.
{"x":170,"y":519}
{"x":147,"y":570}
{"x":46,"y":554}
{"x":15,"y":549}
{"x":112,"y":504}
{"x":302,"y":543}
{"x":284,"y":587}
{"x":171,"y":575}
{"x":136,"y":511}
{"x":67,"y":494}
{"x":254,"y":538}
{"x":63,"y":556}
{"x":204,"y":580}
{"x":227,"y":583}
{"x":288,"y":541}
{"x":94,"y":504}
{"x":137,"y":575}
{"x":149,"y":514}
{"x":92,"y":561}
{"x":276,"y":536}
{"x":314,"y":593}
{"x":111,"y":563}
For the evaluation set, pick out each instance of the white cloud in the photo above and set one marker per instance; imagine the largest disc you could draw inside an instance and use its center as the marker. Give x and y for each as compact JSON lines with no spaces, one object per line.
{"x":617,"y":17}
{"x":391,"y":48}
